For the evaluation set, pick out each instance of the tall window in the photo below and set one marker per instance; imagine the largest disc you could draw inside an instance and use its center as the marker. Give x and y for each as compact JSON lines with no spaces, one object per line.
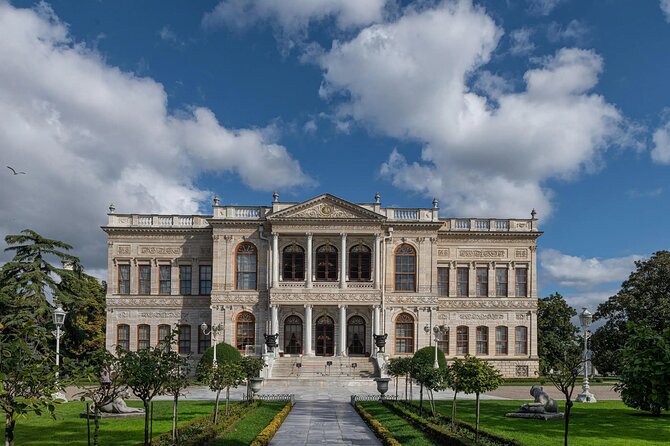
{"x":482,"y":340}
{"x":326,"y":262}
{"x":246,"y":267}
{"x":245,"y":330}
{"x":501,"y":340}
{"x":405,"y":268}
{"x":359,"y":263}
{"x":184,"y":339}
{"x":185,"y":280}
{"x":145,"y":279}
{"x":521,"y":340}
{"x":501,"y":282}
{"x":124,"y":279}
{"x":143,"y":337}
{"x":404,"y":333}
{"x":463,"y":280}
{"x":442,"y":281}
{"x":123,"y":337}
{"x":164,"y":331}
{"x":462,"y":340}
{"x":521,"y":282}
{"x":443,"y":341}
{"x":165,"y":279}
{"x":204,"y":341}
{"x":293,"y":263}
{"x":205,"y":280}
{"x":482,"y":282}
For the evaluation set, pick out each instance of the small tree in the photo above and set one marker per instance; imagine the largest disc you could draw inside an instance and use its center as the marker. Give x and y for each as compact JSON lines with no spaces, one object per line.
{"x":224,"y":353}
{"x":477,"y":376}
{"x":563,"y":374}
{"x":178,"y":380}
{"x":555,"y":328}
{"x":422,"y":370}
{"x":455,"y":382}
{"x":645,"y":370}
{"x":396,"y":368}
{"x":252,"y":368}
{"x":226,"y":375}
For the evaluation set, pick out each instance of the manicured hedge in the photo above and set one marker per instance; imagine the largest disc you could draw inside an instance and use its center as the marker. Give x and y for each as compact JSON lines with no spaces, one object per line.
{"x":264,"y":437}
{"x":380,"y":431}
{"x":224,"y":352}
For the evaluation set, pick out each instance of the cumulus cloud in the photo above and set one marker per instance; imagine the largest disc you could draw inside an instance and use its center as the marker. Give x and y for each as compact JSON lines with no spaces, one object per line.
{"x":584,"y":273}
{"x":665,"y":7}
{"x":520,"y":41}
{"x":410,"y":79}
{"x":661,"y":150}
{"x":542,"y":7}
{"x":88,"y":134}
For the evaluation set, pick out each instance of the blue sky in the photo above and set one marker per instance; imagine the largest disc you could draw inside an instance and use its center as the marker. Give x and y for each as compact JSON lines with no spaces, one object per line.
{"x":494,"y":107}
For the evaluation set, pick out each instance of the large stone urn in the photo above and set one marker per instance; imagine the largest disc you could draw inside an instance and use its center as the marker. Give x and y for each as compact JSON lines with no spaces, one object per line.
{"x":271,"y":341}
{"x":255,"y":384}
{"x":382,"y":386}
{"x":380,"y":342}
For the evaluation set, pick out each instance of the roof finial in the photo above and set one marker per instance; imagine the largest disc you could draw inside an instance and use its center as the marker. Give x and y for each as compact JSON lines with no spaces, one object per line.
{"x":111,"y":208}
{"x":533,"y":214}
{"x":378,"y":198}
{"x":275,"y":197}
{"x":435,"y":202}
{"x":216,"y":200}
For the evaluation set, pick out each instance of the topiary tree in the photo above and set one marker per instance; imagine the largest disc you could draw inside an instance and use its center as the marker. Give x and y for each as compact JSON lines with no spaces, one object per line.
{"x":224,"y":376}
{"x":224,"y":353}
{"x":423,"y":371}
{"x":645,"y":370}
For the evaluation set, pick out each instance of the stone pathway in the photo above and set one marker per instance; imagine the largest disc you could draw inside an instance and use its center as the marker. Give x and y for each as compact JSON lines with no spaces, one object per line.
{"x":324,"y":422}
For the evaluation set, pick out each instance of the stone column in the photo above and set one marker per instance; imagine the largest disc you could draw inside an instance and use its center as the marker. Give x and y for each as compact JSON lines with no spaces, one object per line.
{"x":492,"y":279}
{"x":275,"y":260}
{"x":308,"y":274}
{"x":275,"y":318}
{"x":343,"y":331}
{"x":511,"y":281}
{"x":343,"y":260}
{"x":308,"y":330}
{"x":375,"y":263}
{"x":376,"y":319}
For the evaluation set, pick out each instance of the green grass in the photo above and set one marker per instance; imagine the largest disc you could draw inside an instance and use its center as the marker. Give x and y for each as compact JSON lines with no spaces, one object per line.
{"x":250,"y":426}
{"x":69,"y":429}
{"x":400,"y":428}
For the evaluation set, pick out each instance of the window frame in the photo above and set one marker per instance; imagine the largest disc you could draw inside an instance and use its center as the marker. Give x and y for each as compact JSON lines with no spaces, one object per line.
{"x":442,"y":283}
{"x":398,"y":275}
{"x":245,"y":336}
{"x":250,"y":273}
{"x":119,"y":341}
{"x":482,"y":329}
{"x":505,"y":283}
{"x":205,"y":290}
{"x":184,"y":348}
{"x":143,"y":344}
{"x":517,"y":282}
{"x":407,"y":321}
{"x":143,"y":285}
{"x":502,"y":342}
{"x":183,"y":281}
{"x":204,"y":342}
{"x":162,"y":343}
{"x":460,"y":292}
{"x":482,"y":288}
{"x":357,"y":254}
{"x":119,"y":268}
{"x":293,"y":254}
{"x":324,"y":254}
{"x":462,"y":340}
{"x":162,"y":281}
{"x":525,"y":340}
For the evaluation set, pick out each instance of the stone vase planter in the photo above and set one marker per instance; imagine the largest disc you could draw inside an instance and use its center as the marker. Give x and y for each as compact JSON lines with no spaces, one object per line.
{"x":382,"y":386}
{"x":255,"y":384}
{"x":380,"y":342}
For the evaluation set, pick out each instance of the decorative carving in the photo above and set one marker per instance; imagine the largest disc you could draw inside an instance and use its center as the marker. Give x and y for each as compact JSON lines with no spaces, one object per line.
{"x":481,"y":316}
{"x":525,"y":304}
{"x":482,"y":253}
{"x":163,"y":302}
{"x":444,"y":252}
{"x":161,"y":250}
{"x":324,"y":210}
{"x":520,"y":253}
{"x":162,"y":314}
{"x":299,"y":298}
{"x":123,"y":250}
{"x":521,"y":316}
{"x":422,"y":300}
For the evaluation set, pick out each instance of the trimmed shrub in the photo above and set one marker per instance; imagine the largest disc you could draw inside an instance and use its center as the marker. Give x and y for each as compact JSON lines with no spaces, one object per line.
{"x":426,"y":355}
{"x":264,"y":437}
{"x":380,"y":431}
{"x":224,"y":352}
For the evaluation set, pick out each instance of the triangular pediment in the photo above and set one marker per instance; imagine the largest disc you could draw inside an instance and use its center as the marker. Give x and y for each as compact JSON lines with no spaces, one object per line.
{"x":328,"y":207}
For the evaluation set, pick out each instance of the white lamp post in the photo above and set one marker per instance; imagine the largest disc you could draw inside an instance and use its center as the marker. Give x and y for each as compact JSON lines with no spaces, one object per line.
{"x":437,"y":330}
{"x":59,"y":320}
{"x":585,"y":319}
{"x":214,"y":331}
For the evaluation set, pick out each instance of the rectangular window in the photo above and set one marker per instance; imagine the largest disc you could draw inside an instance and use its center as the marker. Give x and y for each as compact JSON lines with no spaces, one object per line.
{"x":123,"y":337}
{"x":124,"y":279}
{"x":443,"y":342}
{"x":204,"y":341}
{"x":462,"y":274}
{"x":482,"y":282}
{"x":165,"y":279}
{"x":521,"y":340}
{"x":205,"y":280}
{"x":501,"y":282}
{"x":143,"y":337}
{"x":462,"y":340}
{"x":184,"y":339}
{"x":185,"y":280}
{"x":521,"y":282}
{"x":164,"y":337}
{"x":482,"y":340}
{"x":442,"y":281}
{"x":501,"y":340}
{"x":145,"y":279}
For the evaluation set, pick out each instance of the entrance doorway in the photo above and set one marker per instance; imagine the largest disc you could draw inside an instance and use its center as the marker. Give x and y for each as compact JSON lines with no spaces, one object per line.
{"x":293,"y":335}
{"x":325,"y":336}
{"x":356,"y":335}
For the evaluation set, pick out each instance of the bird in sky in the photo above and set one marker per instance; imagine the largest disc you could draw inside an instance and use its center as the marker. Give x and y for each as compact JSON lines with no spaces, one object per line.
{"x":15,"y":172}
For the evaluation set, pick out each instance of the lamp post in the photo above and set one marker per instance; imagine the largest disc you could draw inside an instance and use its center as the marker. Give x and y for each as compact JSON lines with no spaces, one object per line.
{"x":585,"y":319}
{"x":214,"y":331}
{"x":437,"y":331}
{"x":59,"y":320}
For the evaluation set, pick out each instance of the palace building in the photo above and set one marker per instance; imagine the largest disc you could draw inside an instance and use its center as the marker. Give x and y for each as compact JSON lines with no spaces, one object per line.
{"x":327,"y":275}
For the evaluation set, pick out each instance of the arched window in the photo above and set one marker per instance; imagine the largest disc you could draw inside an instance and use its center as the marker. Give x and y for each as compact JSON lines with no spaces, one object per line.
{"x":293,"y":335}
{"x":405,"y":268}
{"x":521,"y":340}
{"x":326,"y":262}
{"x":482,"y":340}
{"x":293,"y":263}
{"x":245,"y":264}
{"x":404,"y":333}
{"x":123,"y":337}
{"x":462,"y":340}
{"x":143,"y":337}
{"x":356,"y":335}
{"x":164,"y":333}
{"x":359,"y":263}
{"x":501,"y":340}
{"x":245,"y":330}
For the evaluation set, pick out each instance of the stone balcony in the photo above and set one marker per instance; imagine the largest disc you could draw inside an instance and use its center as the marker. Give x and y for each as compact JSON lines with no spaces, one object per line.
{"x":325,"y":293}
{"x":156,"y":221}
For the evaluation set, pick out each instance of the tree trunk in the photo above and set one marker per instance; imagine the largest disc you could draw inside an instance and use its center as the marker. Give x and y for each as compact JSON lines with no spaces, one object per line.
{"x":147,"y":414}
{"x":96,"y":424}
{"x":405,"y":386}
{"x":227,"y":399}
{"x":174,"y":418}
{"x":216,"y":407}
{"x":477,"y":420}
{"x":568,"y":407}
{"x":432,"y":402}
{"x":453,"y":412}
{"x":10,"y":424}
{"x":396,"y":388}
{"x":421,"y":400}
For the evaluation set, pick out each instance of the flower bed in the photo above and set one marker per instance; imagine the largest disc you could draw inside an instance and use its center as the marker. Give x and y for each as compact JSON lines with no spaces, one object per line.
{"x":380,"y":431}
{"x":264,"y":437}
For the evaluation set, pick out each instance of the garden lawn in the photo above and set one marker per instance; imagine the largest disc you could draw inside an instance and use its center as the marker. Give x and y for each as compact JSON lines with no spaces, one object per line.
{"x":401,"y":429}
{"x":251,"y":425}
{"x":69,"y":429}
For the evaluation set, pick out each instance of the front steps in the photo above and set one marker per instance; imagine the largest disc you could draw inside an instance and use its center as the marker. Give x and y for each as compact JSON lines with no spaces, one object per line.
{"x":315,"y":367}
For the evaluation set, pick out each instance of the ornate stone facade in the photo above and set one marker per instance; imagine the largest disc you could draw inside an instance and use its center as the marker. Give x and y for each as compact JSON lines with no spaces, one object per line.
{"x":326,"y":274}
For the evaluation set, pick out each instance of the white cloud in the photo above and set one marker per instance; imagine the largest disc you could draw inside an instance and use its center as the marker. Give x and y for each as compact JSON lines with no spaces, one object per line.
{"x":575,"y":31}
{"x":88,"y":134}
{"x":520,"y":41}
{"x":661,"y":151}
{"x":543,"y":7}
{"x":583,"y":273}
{"x":665,"y":7}
{"x":409,"y":79}
{"x":167,"y":34}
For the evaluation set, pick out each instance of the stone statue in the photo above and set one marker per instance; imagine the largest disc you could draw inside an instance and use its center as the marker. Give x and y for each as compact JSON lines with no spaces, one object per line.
{"x":544,"y":407}
{"x":119,"y":405}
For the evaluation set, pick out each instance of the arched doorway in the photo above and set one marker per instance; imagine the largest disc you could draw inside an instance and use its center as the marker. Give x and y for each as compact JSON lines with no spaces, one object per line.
{"x":293,"y":335}
{"x":356,"y":335}
{"x":325,"y":336}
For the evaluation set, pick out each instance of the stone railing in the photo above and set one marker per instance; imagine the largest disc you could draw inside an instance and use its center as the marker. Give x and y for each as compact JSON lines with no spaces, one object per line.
{"x":489,"y":225}
{"x":241,"y":212}
{"x":157,"y":221}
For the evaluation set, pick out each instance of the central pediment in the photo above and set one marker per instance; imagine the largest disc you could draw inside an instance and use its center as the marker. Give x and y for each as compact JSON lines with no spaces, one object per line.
{"x":327,"y":207}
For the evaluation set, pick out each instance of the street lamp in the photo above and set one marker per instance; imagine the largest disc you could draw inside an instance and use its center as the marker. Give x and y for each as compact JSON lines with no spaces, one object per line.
{"x":585,"y":319}
{"x":437,"y":331}
{"x":59,"y":320}
{"x":214,"y":331}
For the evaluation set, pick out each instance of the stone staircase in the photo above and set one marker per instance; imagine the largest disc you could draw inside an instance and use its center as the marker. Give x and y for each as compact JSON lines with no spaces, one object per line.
{"x":316,"y":367}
